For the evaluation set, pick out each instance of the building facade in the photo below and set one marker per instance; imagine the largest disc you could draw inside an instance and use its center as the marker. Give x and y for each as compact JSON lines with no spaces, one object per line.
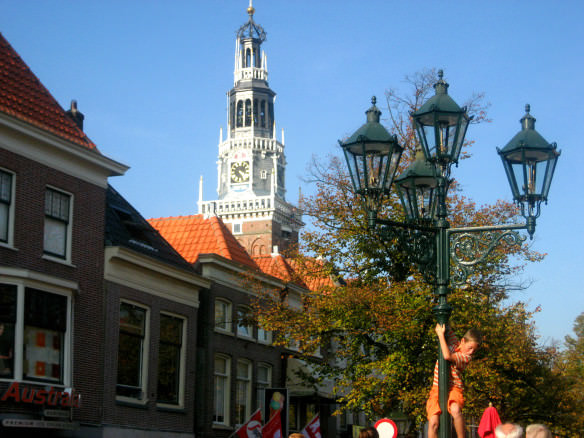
{"x":98,"y":314}
{"x":251,"y":164}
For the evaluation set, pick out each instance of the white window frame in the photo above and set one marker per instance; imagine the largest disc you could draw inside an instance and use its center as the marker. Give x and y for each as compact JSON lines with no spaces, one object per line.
{"x":264,"y":336}
{"x":9,"y":242}
{"x":243,"y":382}
{"x":237,"y":227}
{"x":182,"y":362}
{"x":261,"y":385}
{"x":226,"y":376}
{"x":243,"y":331}
{"x":69,"y":227}
{"x":228,"y":316}
{"x":143,"y":398}
{"x":19,"y":329}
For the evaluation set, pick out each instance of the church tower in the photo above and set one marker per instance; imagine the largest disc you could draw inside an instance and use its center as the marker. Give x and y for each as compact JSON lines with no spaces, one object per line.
{"x":251,"y":166}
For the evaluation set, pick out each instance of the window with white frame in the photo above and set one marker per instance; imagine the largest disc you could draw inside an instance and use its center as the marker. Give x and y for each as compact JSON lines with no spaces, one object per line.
{"x":223,"y":315}
{"x":263,"y":381}
{"x":237,"y":228}
{"x":222,"y":383}
{"x":6,"y":203}
{"x":243,"y":392}
{"x":42,"y":320}
{"x":132,"y":351}
{"x":244,"y":327}
{"x":170,"y":359}
{"x":264,"y":336}
{"x":57,"y":223}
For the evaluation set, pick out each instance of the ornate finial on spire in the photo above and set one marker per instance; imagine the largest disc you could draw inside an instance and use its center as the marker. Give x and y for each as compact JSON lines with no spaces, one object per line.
{"x":527,"y":121}
{"x":373,"y":113}
{"x":251,"y":29}
{"x":441,"y":86}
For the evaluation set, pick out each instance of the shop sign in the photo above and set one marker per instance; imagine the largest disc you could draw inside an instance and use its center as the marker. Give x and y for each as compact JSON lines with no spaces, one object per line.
{"x":39,"y":396}
{"x":39,"y":424}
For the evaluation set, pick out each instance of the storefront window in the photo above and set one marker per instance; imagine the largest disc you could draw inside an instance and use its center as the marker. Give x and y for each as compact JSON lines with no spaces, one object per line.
{"x":7,"y":322}
{"x":42,"y":322}
{"x":45,"y":325}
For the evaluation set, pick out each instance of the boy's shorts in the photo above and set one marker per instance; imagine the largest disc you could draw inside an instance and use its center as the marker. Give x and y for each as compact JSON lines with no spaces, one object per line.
{"x":433,"y":406}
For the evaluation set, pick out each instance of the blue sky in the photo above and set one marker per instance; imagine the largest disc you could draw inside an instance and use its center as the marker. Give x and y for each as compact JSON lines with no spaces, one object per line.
{"x":151,"y":77}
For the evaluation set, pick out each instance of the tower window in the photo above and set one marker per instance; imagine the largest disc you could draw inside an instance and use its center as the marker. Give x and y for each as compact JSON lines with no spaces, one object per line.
{"x":240,"y":114}
{"x":263,"y":114}
{"x":248,"y":112}
{"x":248,"y":58}
{"x":232,"y":114}
{"x":237,"y":228}
{"x":264,"y":174}
{"x":255,"y":112}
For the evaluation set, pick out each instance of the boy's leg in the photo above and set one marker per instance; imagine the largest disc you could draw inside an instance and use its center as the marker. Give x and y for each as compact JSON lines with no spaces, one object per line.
{"x":457,"y":419}
{"x":433,"y":423}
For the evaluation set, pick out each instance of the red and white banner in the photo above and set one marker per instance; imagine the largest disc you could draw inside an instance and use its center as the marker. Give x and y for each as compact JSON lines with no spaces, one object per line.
{"x":273,"y":428}
{"x":312,"y":429}
{"x":253,"y":427}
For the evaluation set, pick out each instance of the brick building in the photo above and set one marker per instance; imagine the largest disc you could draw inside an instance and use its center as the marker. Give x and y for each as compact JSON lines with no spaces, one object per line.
{"x":95,"y":340}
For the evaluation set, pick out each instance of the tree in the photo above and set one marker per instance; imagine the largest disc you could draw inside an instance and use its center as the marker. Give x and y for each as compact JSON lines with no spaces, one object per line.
{"x":378,"y":326}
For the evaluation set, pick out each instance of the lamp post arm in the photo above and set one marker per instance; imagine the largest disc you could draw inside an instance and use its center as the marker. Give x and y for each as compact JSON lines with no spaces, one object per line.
{"x":406,"y":225}
{"x":471,"y":245}
{"x":524,"y":226}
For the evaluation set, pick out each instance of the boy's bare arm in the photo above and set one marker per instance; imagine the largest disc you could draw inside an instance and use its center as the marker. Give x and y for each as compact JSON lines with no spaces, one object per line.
{"x":440,"y":331}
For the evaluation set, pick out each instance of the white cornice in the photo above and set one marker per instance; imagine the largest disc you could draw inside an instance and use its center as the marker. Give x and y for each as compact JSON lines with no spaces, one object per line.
{"x":25,"y":139}
{"x":126,"y":267}
{"x":229,"y":273}
{"x":7,"y":273}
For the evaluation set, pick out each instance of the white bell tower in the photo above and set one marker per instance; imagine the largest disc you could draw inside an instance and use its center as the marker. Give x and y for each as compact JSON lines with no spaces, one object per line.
{"x":251,"y":165}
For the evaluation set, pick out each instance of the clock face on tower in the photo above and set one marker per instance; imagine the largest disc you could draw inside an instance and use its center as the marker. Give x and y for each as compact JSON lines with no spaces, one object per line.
{"x":239,"y":172}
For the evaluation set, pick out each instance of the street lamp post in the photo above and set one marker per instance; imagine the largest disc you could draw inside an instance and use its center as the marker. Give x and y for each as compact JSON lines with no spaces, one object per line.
{"x":373,"y":155}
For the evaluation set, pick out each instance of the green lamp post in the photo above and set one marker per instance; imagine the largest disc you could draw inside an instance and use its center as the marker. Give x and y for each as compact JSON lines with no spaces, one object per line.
{"x":373,"y":156}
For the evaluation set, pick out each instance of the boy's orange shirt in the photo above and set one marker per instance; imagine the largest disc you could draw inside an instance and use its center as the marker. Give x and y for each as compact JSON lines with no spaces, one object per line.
{"x":457,"y":365}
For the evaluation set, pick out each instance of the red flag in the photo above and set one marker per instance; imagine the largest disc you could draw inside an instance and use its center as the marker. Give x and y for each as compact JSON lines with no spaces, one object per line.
{"x":273,"y":428}
{"x":253,"y":427}
{"x":489,"y":421}
{"x":312,"y":429}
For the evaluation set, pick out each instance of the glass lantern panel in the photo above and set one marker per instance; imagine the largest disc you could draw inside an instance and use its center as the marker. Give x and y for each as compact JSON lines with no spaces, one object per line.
{"x":376,"y":169}
{"x":459,"y":141}
{"x":393,"y":164}
{"x":407,"y":198}
{"x":426,"y":201}
{"x":354,"y":163}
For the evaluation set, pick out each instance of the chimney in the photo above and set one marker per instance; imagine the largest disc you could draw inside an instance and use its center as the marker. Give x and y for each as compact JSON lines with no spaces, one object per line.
{"x":76,"y":115}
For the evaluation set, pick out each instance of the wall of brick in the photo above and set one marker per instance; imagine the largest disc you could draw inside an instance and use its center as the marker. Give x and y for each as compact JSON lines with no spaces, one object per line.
{"x":86,"y":267}
{"x":211,"y":343}
{"x":148,"y":416}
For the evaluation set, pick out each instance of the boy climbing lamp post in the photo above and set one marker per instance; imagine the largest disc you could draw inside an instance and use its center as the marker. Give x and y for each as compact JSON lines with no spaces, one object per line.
{"x":373,"y":156}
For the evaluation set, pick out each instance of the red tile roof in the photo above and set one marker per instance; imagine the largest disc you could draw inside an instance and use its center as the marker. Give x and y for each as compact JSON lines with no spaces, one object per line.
{"x":194,"y":235}
{"x":279,"y":267}
{"x":23,"y":96}
{"x":307,"y":273}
